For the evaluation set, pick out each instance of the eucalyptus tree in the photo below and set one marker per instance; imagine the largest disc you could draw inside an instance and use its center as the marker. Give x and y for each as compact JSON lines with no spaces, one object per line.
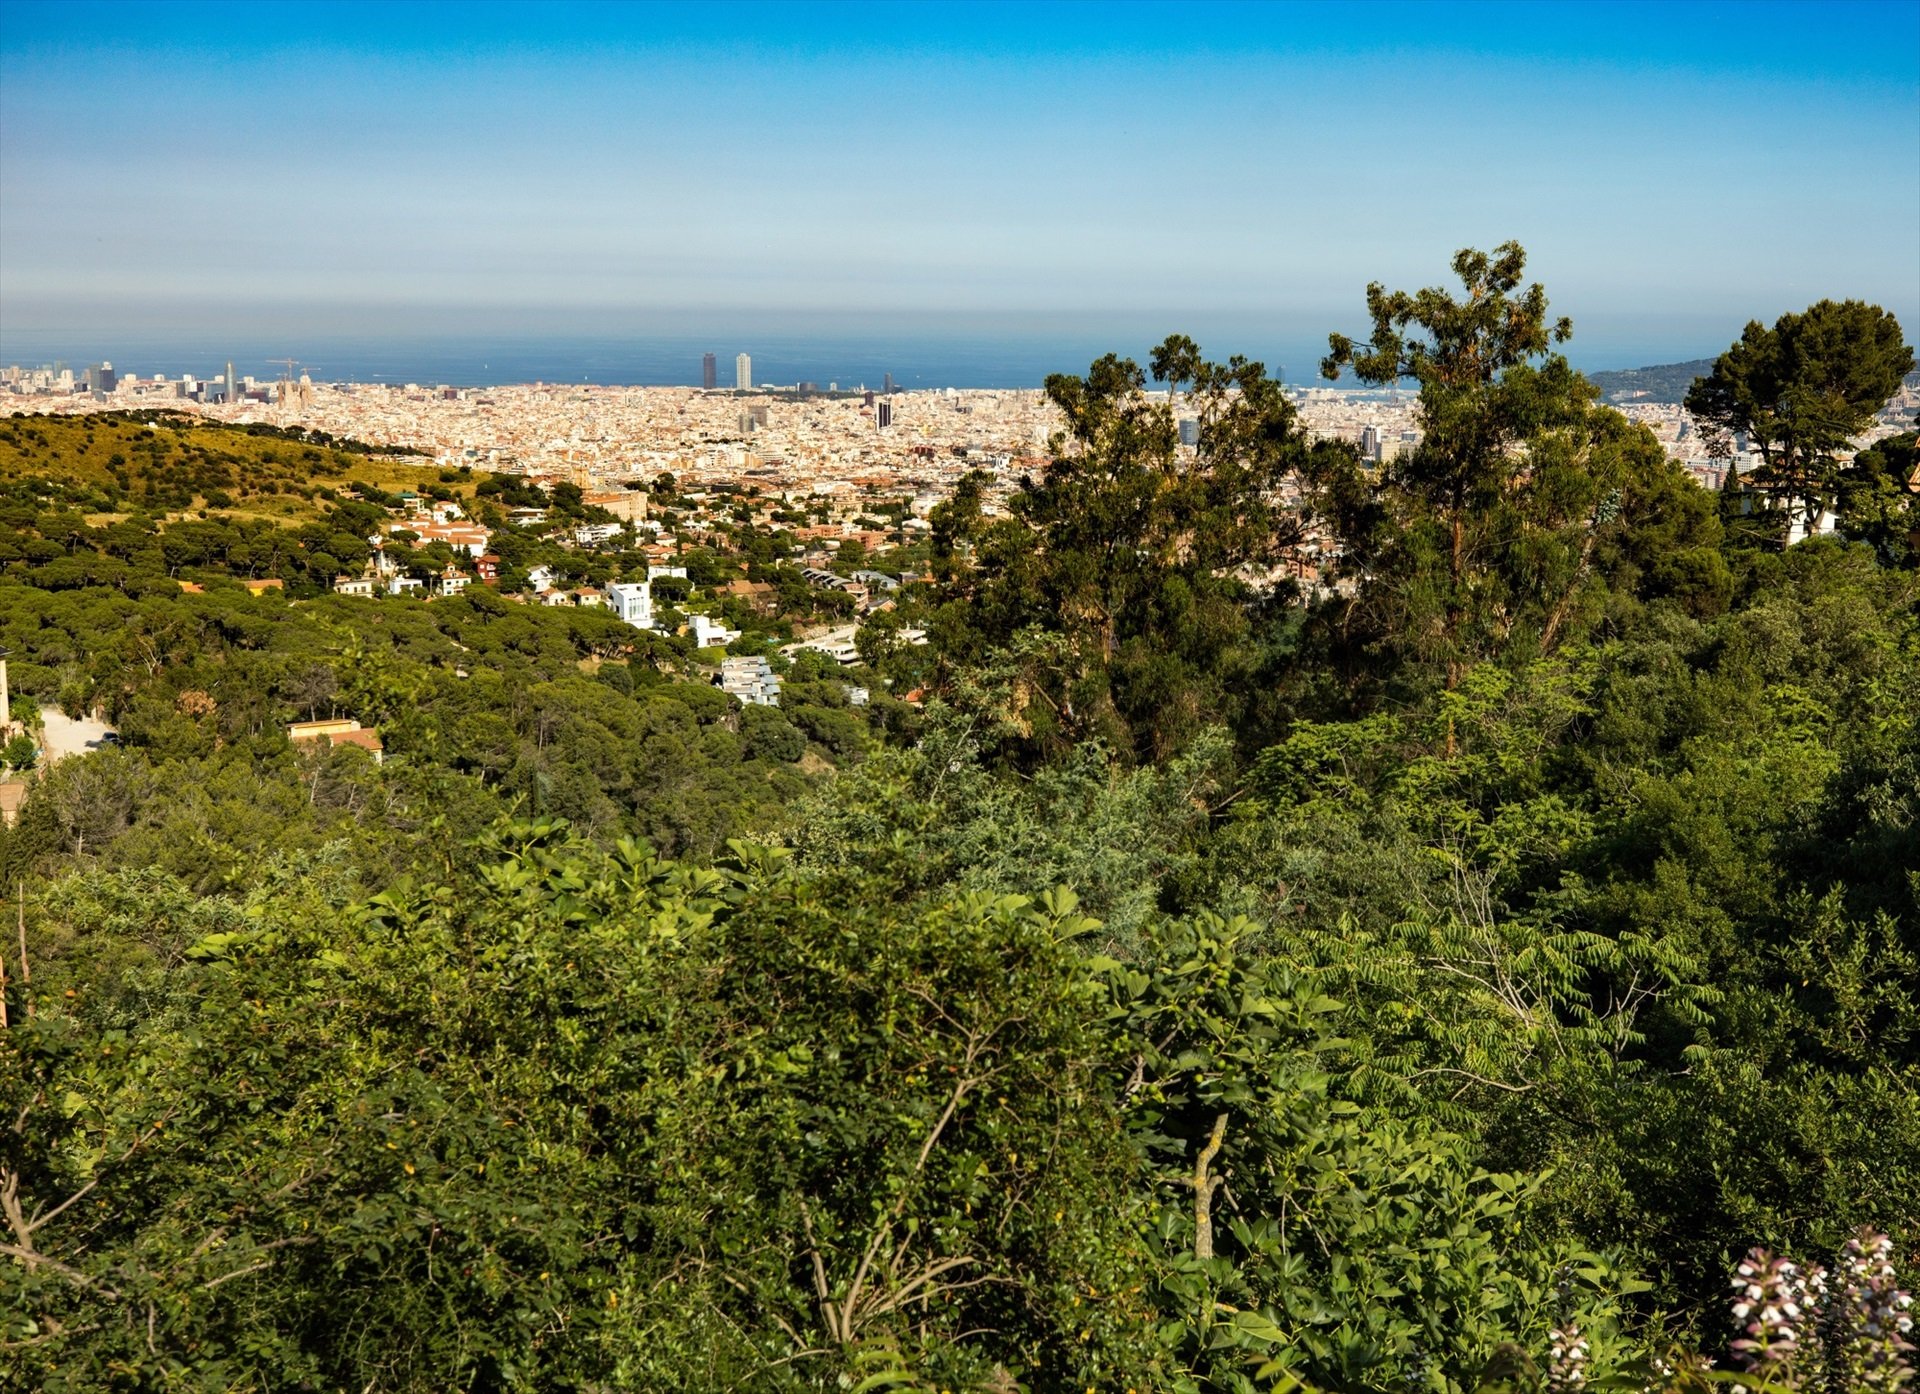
{"x":1488,"y":536}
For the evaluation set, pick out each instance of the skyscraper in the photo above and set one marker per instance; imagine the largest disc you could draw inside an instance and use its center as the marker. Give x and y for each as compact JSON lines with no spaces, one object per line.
{"x":743,"y":372}
{"x":709,"y":372}
{"x":883,"y":415}
{"x":233,"y":384}
{"x":887,"y":386}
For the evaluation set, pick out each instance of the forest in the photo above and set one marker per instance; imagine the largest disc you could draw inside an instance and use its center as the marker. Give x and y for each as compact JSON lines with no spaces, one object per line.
{"x":1487,"y":960}
{"x":1665,"y":382}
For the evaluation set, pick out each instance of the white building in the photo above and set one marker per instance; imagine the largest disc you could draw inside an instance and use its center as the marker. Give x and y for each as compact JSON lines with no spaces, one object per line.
{"x":751,"y":679}
{"x":708,"y":632}
{"x":633,"y":602}
{"x":841,"y":650}
{"x":743,"y":372}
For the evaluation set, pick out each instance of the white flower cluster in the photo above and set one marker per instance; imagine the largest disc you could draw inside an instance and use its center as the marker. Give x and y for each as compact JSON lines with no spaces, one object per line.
{"x":1873,"y":1317}
{"x":1769,"y":1297}
{"x":1842,"y":1332}
{"x":1567,"y":1351}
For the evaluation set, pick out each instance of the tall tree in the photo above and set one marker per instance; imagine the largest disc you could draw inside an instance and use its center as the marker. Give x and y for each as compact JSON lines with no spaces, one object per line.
{"x":1800,"y":392}
{"x":1485,"y":537}
{"x":1880,"y":498}
{"x":1141,"y":561}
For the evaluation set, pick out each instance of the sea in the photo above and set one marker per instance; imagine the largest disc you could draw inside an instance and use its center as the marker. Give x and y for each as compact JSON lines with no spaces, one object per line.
{"x":916,"y":362}
{"x":467,"y":360}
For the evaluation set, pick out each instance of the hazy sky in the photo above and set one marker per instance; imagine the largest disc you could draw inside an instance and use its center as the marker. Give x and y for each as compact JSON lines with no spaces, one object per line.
{"x":1673,"y":170}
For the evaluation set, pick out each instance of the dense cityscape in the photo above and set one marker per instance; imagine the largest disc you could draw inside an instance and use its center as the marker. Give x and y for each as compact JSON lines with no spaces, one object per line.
{"x":837,"y":457}
{"x":600,"y":430}
{"x":787,"y":439}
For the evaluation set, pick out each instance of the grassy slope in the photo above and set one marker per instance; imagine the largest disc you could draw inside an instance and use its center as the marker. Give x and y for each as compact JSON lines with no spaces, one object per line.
{"x":184,"y":459}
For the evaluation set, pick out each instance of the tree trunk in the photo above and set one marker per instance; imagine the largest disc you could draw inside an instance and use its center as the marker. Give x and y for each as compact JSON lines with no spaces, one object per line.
{"x":1203,"y":1188}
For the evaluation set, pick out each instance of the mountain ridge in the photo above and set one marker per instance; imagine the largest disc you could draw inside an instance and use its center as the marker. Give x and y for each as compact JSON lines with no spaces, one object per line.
{"x":1661,"y":382}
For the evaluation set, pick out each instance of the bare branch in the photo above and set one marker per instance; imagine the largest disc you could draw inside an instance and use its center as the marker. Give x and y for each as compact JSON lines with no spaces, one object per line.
{"x":35,"y":1259}
{"x":1203,"y":1188}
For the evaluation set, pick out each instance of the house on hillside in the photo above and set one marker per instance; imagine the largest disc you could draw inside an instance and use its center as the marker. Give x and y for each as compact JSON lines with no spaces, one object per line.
{"x":751,"y":679}
{"x":822,"y":579}
{"x":709,"y":632}
{"x":760,"y":597}
{"x":628,"y":505}
{"x":841,"y":651}
{"x":632,"y":601}
{"x":338,"y":731}
{"x":361,"y":586}
{"x":470,"y":538}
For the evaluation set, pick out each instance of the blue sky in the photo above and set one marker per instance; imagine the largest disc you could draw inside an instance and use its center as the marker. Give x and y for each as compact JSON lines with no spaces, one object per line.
{"x":1673,"y":170}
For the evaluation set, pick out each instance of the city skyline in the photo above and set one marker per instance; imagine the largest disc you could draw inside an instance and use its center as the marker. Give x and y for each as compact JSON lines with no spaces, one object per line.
{"x":1064,"y":175}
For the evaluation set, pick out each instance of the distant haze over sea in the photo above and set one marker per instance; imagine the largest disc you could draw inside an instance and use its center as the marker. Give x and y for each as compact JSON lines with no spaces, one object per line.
{"x":480,"y":360}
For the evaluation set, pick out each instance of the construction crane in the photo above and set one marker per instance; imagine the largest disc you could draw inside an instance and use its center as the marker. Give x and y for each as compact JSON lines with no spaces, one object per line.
{"x":287,"y":390}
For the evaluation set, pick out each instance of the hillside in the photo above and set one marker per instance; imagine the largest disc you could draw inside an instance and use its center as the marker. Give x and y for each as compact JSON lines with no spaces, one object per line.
{"x":1664,"y":382}
{"x":172,"y":461}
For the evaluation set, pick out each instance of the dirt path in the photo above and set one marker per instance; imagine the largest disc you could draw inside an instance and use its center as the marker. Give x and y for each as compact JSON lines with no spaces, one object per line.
{"x":68,"y":735}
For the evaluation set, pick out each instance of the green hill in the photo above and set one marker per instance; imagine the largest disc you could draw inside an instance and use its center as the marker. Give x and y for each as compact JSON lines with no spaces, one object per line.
{"x":174,"y":461}
{"x":1665,"y":382}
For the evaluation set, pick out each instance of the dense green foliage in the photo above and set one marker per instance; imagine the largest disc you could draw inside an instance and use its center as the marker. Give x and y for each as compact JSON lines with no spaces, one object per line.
{"x":1237,"y":975}
{"x":1800,"y":391}
{"x":1880,"y":499}
{"x":1663,"y":382}
{"x":486,"y":708}
{"x":1135,"y":562}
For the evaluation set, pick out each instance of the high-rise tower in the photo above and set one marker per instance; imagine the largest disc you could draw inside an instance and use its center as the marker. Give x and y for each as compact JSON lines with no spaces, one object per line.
{"x":709,"y":372}
{"x":743,"y":372}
